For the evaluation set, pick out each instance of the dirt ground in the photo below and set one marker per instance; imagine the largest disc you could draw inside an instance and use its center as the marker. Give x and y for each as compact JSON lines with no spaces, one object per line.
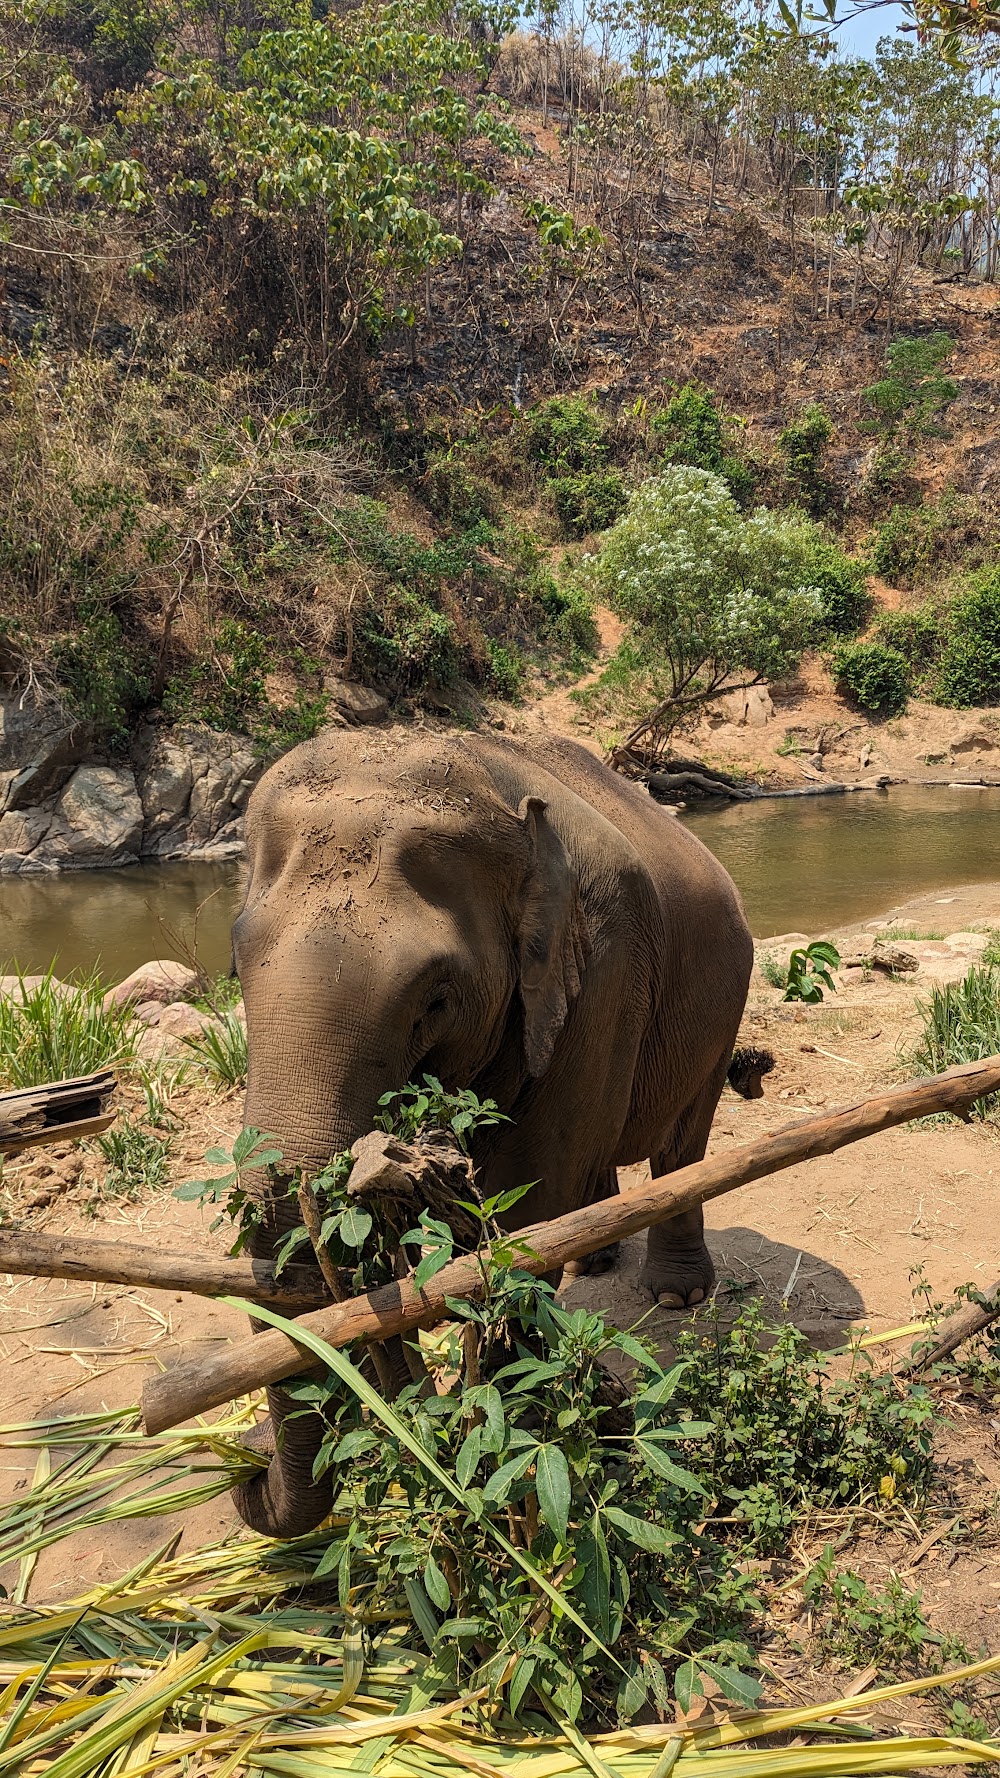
{"x":832,"y":1243}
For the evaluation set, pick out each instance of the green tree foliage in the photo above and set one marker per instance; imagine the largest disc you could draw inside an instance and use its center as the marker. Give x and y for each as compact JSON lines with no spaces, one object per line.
{"x":697,"y":431}
{"x":710,"y":597}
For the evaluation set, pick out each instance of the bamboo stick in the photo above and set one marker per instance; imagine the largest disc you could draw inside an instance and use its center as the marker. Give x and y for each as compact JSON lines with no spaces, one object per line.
{"x":150,"y":1268}
{"x":203,"y":1383}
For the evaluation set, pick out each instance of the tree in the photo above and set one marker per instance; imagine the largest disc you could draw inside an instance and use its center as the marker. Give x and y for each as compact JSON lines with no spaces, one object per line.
{"x":713,"y":600}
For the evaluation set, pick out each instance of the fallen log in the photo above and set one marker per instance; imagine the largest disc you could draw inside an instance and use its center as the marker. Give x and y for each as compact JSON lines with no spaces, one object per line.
{"x":203,"y":1383}
{"x":150,"y":1268}
{"x":62,"y":1111}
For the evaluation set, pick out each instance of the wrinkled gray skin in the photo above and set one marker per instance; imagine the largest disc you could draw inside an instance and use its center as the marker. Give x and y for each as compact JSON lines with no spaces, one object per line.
{"x":515,"y":919}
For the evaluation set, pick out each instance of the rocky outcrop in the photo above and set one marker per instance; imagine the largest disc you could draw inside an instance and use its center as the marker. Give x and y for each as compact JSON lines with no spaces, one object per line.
{"x":182,"y":794}
{"x":157,"y":983}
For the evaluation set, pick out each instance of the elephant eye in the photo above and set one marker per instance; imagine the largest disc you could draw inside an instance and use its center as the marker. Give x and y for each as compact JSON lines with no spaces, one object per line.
{"x":438,"y":1004}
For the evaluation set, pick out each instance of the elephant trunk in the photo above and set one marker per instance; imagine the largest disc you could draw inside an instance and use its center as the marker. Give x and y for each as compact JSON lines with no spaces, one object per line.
{"x":313,"y":1109}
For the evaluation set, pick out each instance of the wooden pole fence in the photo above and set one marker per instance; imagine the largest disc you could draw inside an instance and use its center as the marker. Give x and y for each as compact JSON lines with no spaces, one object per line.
{"x":150,"y":1268}
{"x":202,"y":1383}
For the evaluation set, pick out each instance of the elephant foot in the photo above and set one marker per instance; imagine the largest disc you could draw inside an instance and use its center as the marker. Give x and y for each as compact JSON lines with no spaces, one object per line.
{"x":681,"y":1278}
{"x":593,"y":1264}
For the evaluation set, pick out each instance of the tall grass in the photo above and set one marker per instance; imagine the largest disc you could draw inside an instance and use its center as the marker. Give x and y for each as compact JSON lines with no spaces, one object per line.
{"x":222,"y":1050}
{"x":961,"y":1023}
{"x":56,"y":1030}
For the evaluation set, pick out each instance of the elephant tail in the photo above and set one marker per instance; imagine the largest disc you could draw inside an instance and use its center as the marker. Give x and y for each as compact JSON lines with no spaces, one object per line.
{"x":747,"y":1070}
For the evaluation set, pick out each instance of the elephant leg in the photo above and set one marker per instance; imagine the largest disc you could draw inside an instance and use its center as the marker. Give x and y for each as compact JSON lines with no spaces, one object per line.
{"x":678,"y":1269}
{"x":593,"y":1264}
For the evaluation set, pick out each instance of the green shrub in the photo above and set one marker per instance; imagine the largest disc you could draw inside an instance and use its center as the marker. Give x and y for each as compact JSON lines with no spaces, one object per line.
{"x":843,"y":588}
{"x":57,"y":1030}
{"x":227,"y":689}
{"x":588,"y":501}
{"x":913,"y":543}
{"x":568,"y":621}
{"x":916,"y":635}
{"x":969,"y":668}
{"x":402,"y":639}
{"x":697,"y":431}
{"x":506,"y":670}
{"x":105,"y":681}
{"x":803,"y":445}
{"x":874,"y":677}
{"x":567,"y":435}
{"x":458,"y":496}
{"x":914,"y":390}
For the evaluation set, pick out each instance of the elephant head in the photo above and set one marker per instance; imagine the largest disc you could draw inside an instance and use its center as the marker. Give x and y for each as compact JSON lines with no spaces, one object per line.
{"x":400,"y":918}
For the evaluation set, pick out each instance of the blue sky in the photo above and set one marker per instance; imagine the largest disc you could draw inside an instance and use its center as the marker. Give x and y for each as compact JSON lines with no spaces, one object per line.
{"x":859,"y":35}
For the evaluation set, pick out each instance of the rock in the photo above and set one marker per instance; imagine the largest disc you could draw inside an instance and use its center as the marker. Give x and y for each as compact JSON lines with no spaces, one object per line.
{"x":975,"y":740}
{"x":195,"y":786}
{"x":10,"y":985}
{"x":817,"y":762}
{"x":97,"y":820}
{"x":357,"y":702}
{"x":162,"y":981}
{"x":147,"y":1012}
{"x":183,"y":1020}
{"x":55,"y":758}
{"x":21,"y":836}
{"x":784,"y":943}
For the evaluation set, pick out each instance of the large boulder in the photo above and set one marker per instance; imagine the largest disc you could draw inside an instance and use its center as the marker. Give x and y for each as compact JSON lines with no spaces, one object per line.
{"x":21,"y":837}
{"x":182,"y":1020}
{"x":97,"y":820}
{"x":358,"y":703}
{"x":162,"y":981}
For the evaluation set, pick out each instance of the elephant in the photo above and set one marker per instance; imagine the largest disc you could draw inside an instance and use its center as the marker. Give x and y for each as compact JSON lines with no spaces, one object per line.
{"x":511,"y":917}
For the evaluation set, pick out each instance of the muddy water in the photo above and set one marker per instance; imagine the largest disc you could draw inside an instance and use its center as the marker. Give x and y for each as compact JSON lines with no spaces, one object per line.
{"x":801,"y":864}
{"x":807,"y":864}
{"x":113,"y":920}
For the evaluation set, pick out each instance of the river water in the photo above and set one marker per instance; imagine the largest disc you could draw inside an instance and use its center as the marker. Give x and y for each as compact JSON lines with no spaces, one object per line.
{"x":801,"y":864}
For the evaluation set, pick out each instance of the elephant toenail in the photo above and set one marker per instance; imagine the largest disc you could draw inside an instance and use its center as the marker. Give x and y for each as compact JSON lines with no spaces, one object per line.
{"x":668,"y":1299}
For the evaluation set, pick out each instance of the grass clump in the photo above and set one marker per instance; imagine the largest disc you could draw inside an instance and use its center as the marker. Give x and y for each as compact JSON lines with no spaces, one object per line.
{"x":961,"y":1023}
{"x":222,"y":1050}
{"x":774,"y":973}
{"x":52,"y":1030}
{"x":137,"y":1161}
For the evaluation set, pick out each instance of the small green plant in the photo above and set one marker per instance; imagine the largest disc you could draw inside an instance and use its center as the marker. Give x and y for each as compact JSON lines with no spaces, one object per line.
{"x":803,"y":444}
{"x":427,"y":1106}
{"x":697,"y":431}
{"x":990,"y":958}
{"x":220,"y":994}
{"x":103,"y":676}
{"x":872,"y":676}
{"x":137,"y":1160}
{"x":809,"y":971}
{"x":887,"y":1628}
{"x":772,"y":971}
{"x":222,"y":1050}
{"x":56,"y":1030}
{"x":252,"y":1151}
{"x":961,"y":1023}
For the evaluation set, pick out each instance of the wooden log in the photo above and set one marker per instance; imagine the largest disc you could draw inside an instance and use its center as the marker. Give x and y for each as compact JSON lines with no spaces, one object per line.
{"x":60,"y":1112}
{"x":151,"y":1268}
{"x":203,"y":1383}
{"x":955,"y":1331}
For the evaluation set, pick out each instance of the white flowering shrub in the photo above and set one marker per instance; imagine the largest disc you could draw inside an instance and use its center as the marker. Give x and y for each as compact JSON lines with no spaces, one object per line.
{"x":712,"y":597}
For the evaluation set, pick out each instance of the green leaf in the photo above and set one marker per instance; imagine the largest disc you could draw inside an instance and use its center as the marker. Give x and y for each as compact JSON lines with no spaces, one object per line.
{"x":355,"y":1227}
{"x":743,"y":1688}
{"x":438,"y":1590}
{"x":660,"y":1464}
{"x":467,"y":1461}
{"x":654,"y":1539}
{"x":432,"y":1263}
{"x":552,"y":1485}
{"x":520,"y":1681}
{"x":295,"y":1238}
{"x":687,"y":1684}
{"x":212,"y":1189}
{"x":648,"y":1404}
{"x":498,"y":1487}
{"x":595,"y":1586}
{"x":420,"y":1606}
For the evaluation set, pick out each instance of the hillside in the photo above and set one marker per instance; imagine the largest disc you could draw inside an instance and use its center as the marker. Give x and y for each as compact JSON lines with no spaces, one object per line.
{"x":278,"y":425}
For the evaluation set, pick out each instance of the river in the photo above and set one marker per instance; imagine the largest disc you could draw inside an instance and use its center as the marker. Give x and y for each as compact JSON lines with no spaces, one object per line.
{"x":801,"y":864}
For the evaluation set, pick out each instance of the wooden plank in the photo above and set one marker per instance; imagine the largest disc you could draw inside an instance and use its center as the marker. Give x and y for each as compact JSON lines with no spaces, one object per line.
{"x":59,"y":1111}
{"x":202,"y":1383}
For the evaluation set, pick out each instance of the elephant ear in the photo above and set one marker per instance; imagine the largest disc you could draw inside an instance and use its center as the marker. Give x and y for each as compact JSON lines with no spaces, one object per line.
{"x":553,"y":942}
